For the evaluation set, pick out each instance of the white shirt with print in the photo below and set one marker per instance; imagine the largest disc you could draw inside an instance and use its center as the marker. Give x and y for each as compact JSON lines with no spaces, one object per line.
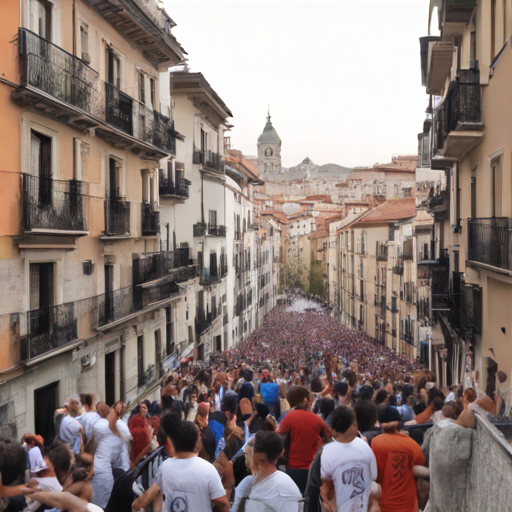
{"x":188,"y":485}
{"x":352,"y":467}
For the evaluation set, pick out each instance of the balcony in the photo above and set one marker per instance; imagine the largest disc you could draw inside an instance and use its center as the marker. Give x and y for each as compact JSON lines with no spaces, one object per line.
{"x":66,"y":88}
{"x":459,"y":11}
{"x":203,"y":229}
{"x":203,"y":321}
{"x":48,"y":329}
{"x":54,"y":206}
{"x":177,"y":188}
{"x":458,"y":124}
{"x":398,"y":269}
{"x":381,"y":251}
{"x":466,"y":307}
{"x":207,"y":278}
{"x":427,"y":254}
{"x":209,"y":160}
{"x":150,"y":225}
{"x":440,"y":59}
{"x":438,"y":202}
{"x":117,"y":217}
{"x":490,"y":242}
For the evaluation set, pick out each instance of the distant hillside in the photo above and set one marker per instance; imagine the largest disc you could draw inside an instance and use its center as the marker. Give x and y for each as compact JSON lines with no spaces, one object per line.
{"x":335,"y":169}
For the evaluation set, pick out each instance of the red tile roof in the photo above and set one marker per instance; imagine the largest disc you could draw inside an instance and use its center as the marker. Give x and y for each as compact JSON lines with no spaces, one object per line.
{"x":393,"y":209}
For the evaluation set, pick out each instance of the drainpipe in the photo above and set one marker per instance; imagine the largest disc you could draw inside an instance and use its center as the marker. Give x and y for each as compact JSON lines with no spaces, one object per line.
{"x":74,"y":28}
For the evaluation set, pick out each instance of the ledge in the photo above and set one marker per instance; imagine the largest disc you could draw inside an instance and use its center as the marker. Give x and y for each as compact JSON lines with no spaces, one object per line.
{"x":131,"y":316}
{"x":484,"y":266}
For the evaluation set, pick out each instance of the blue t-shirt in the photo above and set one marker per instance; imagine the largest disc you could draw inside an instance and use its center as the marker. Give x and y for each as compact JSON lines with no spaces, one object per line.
{"x":269,"y":392}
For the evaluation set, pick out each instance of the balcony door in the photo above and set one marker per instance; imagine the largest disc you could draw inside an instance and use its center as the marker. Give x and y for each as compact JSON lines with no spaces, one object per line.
{"x":109,"y":293}
{"x":113,"y":68}
{"x":497,"y":184}
{"x":46,"y":400}
{"x":41,"y":298}
{"x":41,"y":18}
{"x":41,"y":165}
{"x":114,"y":181}
{"x":212,"y":218}
{"x":110,"y":378}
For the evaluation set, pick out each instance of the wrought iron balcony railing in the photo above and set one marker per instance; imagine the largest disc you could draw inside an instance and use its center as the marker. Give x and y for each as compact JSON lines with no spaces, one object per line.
{"x":150,"y":220}
{"x":460,"y":111}
{"x":206,"y":276}
{"x":201,"y":229}
{"x":49,"y":329}
{"x":50,"y":204}
{"x":46,"y":67}
{"x":117,"y":217}
{"x":490,"y":242}
{"x":179,"y":187}
{"x":153,"y":266}
{"x":399,"y":267}
{"x":210,"y":160}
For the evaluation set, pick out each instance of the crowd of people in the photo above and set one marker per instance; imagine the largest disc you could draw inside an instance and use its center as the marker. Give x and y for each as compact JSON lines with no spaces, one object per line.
{"x":304,"y":414}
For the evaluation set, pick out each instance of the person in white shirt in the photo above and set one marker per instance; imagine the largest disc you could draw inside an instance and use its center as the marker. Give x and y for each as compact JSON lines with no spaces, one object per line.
{"x":348,"y":466}
{"x":186,"y":481}
{"x":90,"y":416}
{"x":70,"y":429}
{"x":452,"y":395}
{"x":271,"y":489}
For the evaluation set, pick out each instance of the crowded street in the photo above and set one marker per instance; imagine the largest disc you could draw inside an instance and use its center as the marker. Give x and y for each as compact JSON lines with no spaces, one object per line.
{"x":303,"y":415}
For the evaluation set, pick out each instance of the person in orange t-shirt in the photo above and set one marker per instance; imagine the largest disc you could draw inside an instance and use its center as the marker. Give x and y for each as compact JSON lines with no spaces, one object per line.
{"x":396,"y":455}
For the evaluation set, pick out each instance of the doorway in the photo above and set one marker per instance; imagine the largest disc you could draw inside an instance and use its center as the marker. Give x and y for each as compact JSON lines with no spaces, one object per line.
{"x":218,"y":343}
{"x":110,"y":378}
{"x":45,"y":404}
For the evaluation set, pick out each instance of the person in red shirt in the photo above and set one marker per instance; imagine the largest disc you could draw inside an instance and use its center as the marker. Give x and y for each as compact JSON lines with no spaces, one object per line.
{"x":396,"y":455}
{"x":305,"y":430}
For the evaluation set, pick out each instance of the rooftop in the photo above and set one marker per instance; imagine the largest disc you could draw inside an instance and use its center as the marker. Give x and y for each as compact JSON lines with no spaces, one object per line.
{"x":393,"y":209}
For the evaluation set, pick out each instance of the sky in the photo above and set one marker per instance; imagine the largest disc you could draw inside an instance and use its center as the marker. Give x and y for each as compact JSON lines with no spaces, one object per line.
{"x":342,"y":77}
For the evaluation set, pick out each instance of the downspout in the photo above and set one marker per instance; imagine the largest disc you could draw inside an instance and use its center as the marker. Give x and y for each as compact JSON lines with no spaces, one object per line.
{"x":74,"y":28}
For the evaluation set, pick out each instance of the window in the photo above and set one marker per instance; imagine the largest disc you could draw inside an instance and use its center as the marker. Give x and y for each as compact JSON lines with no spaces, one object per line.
{"x":41,"y":18}
{"x":41,"y":165}
{"x":140,"y":360}
{"x":204,"y":141}
{"x":152,"y":90}
{"x":497,"y":183}
{"x":142,"y":87}
{"x":114,"y":182}
{"x":473,"y":197}
{"x":84,"y":42}
{"x":41,"y":286}
{"x":113,"y":68}
{"x":212,"y":217}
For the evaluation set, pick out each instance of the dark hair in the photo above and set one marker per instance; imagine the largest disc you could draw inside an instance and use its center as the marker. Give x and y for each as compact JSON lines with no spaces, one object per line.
{"x":296,"y":395}
{"x":341,"y":419}
{"x":392,"y":400}
{"x":381,"y":396}
{"x":269,"y":443}
{"x":13,"y":461}
{"x":86,"y":399}
{"x":169,"y":422}
{"x":438,"y":403}
{"x":248,"y":375}
{"x":317,"y":385}
{"x":366,"y":415}
{"x":376,"y":385}
{"x":60,"y":457}
{"x":184,"y":436}
{"x":419,"y":407}
{"x":167,"y":401}
{"x":350,"y":376}
{"x":434,"y":393}
{"x":326,"y":407}
{"x":366,"y":393}
{"x":340,"y":389}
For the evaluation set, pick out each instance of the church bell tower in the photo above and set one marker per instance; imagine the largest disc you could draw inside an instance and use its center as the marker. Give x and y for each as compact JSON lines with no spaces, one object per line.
{"x":269,"y":150}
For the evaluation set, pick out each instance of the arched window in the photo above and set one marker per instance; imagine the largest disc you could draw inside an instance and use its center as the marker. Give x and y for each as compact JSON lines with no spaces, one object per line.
{"x":269,"y":152}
